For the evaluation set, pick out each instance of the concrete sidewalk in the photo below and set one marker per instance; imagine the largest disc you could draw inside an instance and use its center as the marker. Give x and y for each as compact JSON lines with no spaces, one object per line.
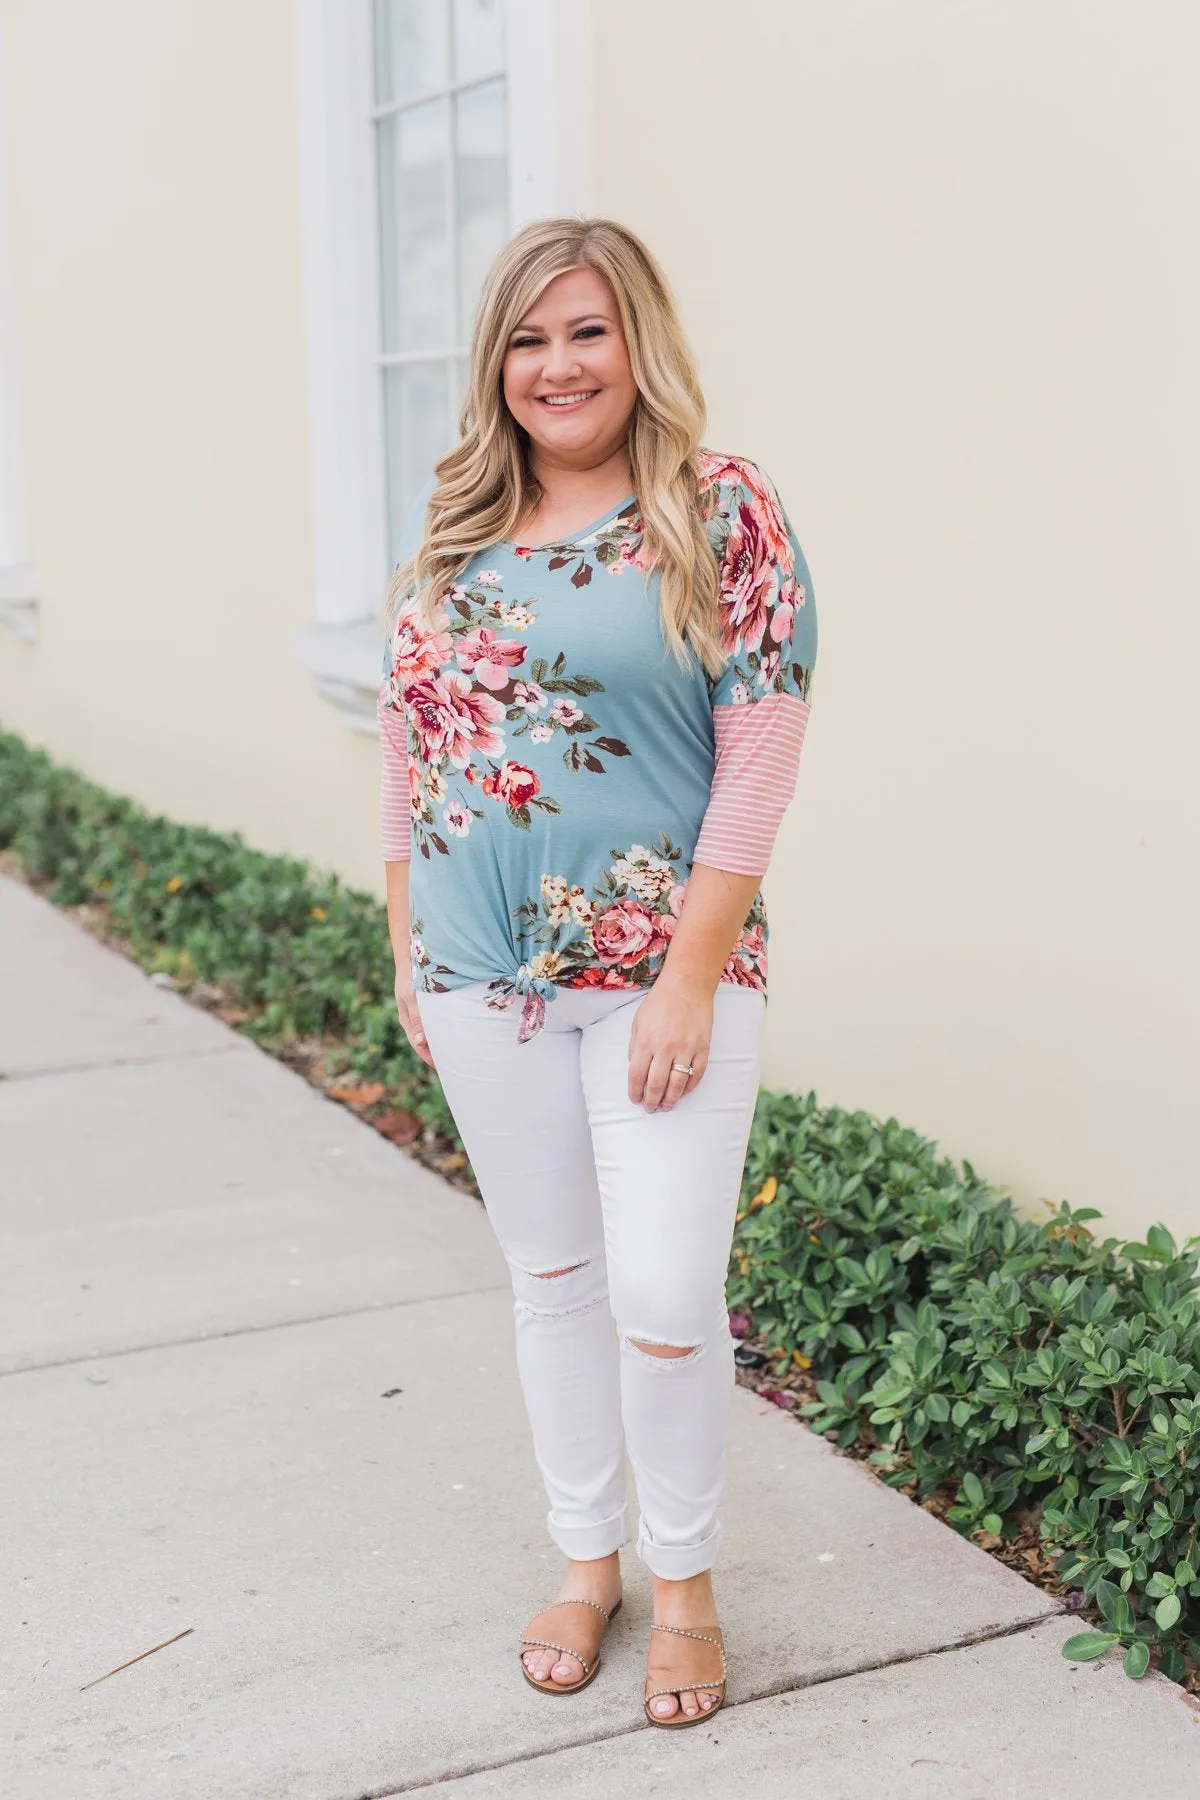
{"x":259,"y":1385}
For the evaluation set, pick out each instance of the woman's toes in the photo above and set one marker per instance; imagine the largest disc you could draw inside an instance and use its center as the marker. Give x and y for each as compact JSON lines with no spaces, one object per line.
{"x":566,"y":1671}
{"x":707,"y":1702}
{"x":690,"y":1704}
{"x":539,"y":1663}
{"x":665,"y":1706}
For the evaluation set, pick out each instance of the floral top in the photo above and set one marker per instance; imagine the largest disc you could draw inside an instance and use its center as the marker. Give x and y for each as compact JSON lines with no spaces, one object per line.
{"x":562,"y":772}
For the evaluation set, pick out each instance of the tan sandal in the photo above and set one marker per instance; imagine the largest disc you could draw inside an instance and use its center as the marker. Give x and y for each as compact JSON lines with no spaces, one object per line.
{"x":532,"y":1643}
{"x":691,"y":1684}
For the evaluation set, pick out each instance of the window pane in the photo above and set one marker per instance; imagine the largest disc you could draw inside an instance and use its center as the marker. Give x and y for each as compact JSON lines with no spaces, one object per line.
{"x":417,"y":418}
{"x":482,"y":176}
{"x":411,"y":41}
{"x":478,"y":38}
{"x":415,"y":261}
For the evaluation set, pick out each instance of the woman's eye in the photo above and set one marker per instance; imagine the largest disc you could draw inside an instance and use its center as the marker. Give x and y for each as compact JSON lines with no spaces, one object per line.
{"x":590,"y":331}
{"x":525,"y":343}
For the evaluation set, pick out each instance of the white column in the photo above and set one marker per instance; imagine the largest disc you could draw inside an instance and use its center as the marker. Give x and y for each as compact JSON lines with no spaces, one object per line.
{"x":18,"y":588}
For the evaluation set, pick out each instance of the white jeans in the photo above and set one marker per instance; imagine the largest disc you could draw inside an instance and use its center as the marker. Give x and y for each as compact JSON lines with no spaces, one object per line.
{"x":638,"y":1208}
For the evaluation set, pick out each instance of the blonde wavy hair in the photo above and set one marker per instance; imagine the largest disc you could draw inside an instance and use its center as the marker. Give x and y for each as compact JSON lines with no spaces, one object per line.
{"x":485,"y":483}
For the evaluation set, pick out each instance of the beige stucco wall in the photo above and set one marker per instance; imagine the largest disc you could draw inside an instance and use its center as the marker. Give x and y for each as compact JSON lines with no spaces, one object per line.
{"x":940,"y":267}
{"x":156,"y":246}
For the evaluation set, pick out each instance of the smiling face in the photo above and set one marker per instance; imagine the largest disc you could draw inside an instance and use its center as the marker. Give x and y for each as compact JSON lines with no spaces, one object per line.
{"x":566,"y":375}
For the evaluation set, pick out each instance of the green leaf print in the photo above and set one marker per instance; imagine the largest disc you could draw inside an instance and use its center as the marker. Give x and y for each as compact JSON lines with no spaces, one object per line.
{"x":573,"y":684}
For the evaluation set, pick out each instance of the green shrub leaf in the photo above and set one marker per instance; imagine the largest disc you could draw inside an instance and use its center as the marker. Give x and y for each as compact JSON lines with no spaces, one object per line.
{"x":1167,"y":1612}
{"x":1086,"y":1646}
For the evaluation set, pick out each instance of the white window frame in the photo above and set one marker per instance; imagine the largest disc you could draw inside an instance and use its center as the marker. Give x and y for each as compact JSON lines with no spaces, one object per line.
{"x":549,"y":137}
{"x":18,"y":579}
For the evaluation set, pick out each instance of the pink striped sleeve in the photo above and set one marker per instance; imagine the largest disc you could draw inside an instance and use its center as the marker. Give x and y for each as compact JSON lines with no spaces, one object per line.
{"x":395,"y":806}
{"x":758,"y":753}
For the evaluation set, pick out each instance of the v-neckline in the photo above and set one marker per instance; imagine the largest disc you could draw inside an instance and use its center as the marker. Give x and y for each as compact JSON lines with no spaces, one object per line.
{"x":576,"y":537}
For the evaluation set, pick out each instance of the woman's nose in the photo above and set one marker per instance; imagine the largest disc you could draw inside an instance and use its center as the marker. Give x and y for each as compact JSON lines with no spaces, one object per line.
{"x":561,"y":364}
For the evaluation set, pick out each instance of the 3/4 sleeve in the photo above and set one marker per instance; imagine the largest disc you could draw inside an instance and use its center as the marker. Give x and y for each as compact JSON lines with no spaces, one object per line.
{"x":395,"y":787}
{"x":761,"y":699}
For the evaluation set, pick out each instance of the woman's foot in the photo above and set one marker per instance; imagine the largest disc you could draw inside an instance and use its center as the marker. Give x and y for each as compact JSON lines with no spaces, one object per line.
{"x":689,"y":1605}
{"x":598,"y":1581}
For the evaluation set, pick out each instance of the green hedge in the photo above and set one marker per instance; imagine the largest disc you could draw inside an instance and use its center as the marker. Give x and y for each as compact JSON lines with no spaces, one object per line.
{"x":965,"y":1351}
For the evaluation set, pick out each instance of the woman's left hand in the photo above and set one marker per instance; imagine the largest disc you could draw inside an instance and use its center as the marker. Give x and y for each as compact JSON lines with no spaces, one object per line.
{"x":672,"y":1025}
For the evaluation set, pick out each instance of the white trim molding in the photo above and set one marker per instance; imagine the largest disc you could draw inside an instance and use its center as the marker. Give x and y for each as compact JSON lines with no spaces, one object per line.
{"x":549,"y":108}
{"x":18,"y":580}
{"x":338,"y":234}
{"x":345,"y":661}
{"x":18,"y":601}
{"x":549,"y":132}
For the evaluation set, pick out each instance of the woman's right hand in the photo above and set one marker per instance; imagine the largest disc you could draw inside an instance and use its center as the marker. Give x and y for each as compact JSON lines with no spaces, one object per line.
{"x":410,"y":1018}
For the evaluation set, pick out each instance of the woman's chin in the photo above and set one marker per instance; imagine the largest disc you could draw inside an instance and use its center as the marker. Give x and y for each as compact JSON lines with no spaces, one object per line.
{"x":573,"y":437}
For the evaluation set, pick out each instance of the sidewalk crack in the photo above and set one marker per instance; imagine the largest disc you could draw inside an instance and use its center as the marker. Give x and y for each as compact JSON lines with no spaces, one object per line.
{"x":236,"y":1331}
{"x":985,"y":1635}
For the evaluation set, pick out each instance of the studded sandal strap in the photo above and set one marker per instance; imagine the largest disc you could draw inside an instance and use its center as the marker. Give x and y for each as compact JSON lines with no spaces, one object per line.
{"x":682,"y":1631}
{"x":700,"y":1684}
{"x":564,"y":1649}
{"x":529,"y":1643}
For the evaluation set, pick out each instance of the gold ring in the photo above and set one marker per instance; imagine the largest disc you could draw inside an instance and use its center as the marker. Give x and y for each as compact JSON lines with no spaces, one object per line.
{"x":683,"y":1068}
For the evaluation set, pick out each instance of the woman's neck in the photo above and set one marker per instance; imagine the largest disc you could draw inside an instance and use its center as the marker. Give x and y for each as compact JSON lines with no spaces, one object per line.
{"x":572,"y":497}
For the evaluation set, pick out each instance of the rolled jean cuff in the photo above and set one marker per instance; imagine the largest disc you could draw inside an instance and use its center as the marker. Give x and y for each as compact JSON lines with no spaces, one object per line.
{"x":676,"y":1562}
{"x":583,"y":1543}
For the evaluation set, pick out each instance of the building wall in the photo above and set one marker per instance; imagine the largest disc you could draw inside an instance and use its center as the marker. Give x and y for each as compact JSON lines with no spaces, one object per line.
{"x":155,"y":223}
{"x":937,"y":266}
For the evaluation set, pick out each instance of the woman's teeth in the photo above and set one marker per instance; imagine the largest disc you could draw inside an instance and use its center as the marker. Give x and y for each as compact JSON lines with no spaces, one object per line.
{"x":567,"y":399}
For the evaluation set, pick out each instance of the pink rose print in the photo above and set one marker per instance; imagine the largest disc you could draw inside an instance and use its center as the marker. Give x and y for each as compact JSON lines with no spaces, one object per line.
{"x":457,"y":818}
{"x":749,"y":582}
{"x":513,"y":783}
{"x":747,"y":963}
{"x":784,"y":614}
{"x":482,"y":654}
{"x":768,"y":668}
{"x":417,"y":651}
{"x":453,"y":719}
{"x":664,"y":930}
{"x":622,"y":933}
{"x":764,"y":500}
{"x":541,"y":733}
{"x":566,"y":712}
{"x":715,"y":468}
{"x":676,"y":898}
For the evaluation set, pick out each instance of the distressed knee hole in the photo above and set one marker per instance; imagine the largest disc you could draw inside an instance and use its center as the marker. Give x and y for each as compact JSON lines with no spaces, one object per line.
{"x":664,"y":1353}
{"x":575,"y":1288}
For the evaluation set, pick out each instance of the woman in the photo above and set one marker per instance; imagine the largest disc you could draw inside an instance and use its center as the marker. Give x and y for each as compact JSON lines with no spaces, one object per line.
{"x":594,"y":693}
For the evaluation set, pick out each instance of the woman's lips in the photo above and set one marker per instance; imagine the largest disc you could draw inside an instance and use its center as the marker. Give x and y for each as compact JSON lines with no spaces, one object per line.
{"x":566,"y":403}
